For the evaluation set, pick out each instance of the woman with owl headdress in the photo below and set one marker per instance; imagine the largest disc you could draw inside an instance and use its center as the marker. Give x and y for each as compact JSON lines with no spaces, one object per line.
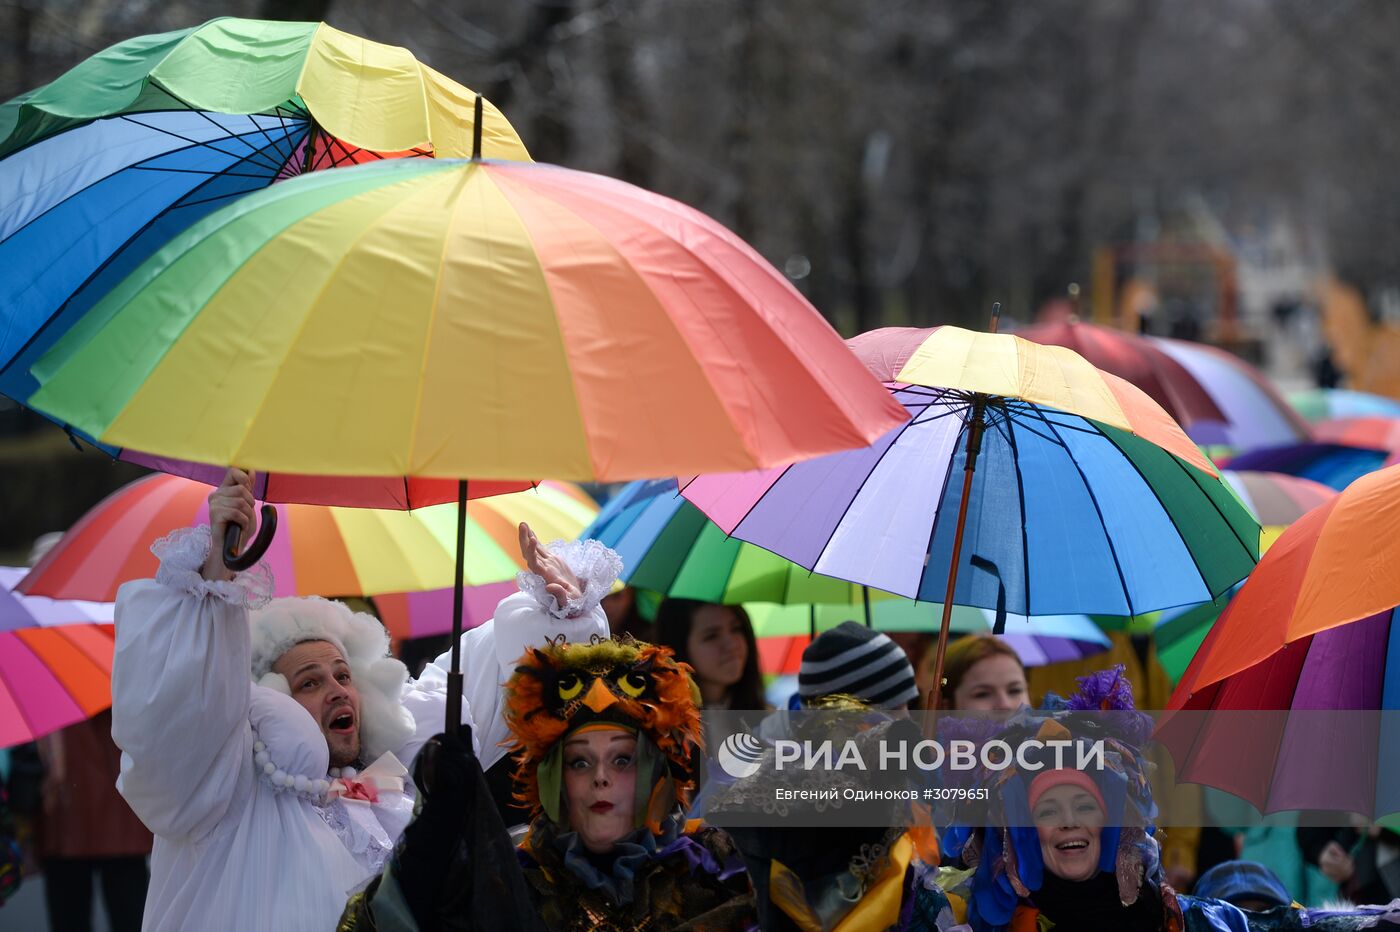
{"x":606,"y":735}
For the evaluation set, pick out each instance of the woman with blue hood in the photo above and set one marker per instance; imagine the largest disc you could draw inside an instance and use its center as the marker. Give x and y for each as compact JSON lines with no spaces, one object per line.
{"x":1065,"y":848}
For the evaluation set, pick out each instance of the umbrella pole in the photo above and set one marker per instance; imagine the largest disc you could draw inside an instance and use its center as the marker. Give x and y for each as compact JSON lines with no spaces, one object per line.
{"x":454,"y":676}
{"x":974,"y":446}
{"x":865,"y":597}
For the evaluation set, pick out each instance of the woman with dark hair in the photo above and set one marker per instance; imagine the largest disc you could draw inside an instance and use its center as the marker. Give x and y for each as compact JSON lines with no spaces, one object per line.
{"x":718,"y":643}
{"x":982,"y":673}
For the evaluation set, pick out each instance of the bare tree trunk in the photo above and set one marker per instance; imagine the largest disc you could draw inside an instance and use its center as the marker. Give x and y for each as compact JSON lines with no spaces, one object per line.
{"x":550,"y":136}
{"x":635,"y":161}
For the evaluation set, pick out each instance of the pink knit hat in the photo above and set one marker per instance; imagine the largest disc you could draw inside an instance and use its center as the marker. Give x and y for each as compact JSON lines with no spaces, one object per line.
{"x":1049,"y":779}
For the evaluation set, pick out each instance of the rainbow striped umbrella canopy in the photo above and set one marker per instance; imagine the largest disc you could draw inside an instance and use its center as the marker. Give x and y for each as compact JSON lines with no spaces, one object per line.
{"x":102,"y":166}
{"x":55,"y":661}
{"x":318,"y":551}
{"x":1086,"y":496}
{"x":462,"y":318}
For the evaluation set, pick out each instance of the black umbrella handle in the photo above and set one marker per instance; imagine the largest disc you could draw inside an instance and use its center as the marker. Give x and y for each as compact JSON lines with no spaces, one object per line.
{"x":266,"y":530}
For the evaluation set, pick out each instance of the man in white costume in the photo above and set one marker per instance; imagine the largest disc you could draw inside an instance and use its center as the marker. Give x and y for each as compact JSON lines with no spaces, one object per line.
{"x":265,"y":743}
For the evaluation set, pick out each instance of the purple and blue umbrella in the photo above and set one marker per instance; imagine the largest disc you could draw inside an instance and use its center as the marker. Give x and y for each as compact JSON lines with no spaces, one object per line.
{"x":667,"y":545}
{"x":1332,"y":464}
{"x":1256,"y":415}
{"x":1061,"y":519}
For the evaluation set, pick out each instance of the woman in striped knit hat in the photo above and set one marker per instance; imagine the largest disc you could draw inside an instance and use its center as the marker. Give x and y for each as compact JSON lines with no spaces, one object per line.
{"x":854,"y":660}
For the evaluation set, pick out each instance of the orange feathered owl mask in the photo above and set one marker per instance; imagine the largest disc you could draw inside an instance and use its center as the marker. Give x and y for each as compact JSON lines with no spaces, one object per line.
{"x":641,"y":687}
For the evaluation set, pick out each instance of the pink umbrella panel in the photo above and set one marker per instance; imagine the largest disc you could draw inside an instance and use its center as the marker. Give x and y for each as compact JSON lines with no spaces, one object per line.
{"x":55,"y":661}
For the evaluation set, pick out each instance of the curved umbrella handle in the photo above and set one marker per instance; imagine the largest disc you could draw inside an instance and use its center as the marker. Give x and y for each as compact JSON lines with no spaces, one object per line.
{"x":240,"y":562}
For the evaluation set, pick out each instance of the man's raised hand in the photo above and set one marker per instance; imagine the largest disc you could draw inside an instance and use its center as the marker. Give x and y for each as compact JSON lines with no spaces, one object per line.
{"x":231,"y":503}
{"x":559,"y":580}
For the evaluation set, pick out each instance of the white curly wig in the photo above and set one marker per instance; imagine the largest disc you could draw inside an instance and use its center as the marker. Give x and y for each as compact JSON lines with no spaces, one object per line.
{"x":284,"y":623}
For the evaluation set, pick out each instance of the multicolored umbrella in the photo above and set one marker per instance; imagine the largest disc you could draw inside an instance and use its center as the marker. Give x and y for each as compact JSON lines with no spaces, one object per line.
{"x":1313,"y":630}
{"x":55,"y":661}
{"x":1256,"y":414}
{"x":320,"y":550}
{"x":1137,"y":359}
{"x":1319,"y":404}
{"x":1088,"y":498}
{"x":102,"y":166}
{"x":667,"y":545}
{"x":1333,"y":566}
{"x":456,"y":319}
{"x":1331,"y":464}
{"x":461,"y":318}
{"x":1218,"y":399}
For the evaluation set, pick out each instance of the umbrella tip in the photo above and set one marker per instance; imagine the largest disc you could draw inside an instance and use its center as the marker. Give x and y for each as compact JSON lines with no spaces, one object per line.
{"x":476,"y":130}
{"x":996,"y":316}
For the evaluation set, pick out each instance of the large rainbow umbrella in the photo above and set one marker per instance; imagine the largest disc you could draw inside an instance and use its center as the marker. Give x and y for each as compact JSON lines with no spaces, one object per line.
{"x":1312,"y":632}
{"x":319,"y":551}
{"x":445,"y":318}
{"x":461,"y":319}
{"x":1072,"y":490}
{"x":102,"y":166}
{"x":1319,"y":404}
{"x":55,"y":661}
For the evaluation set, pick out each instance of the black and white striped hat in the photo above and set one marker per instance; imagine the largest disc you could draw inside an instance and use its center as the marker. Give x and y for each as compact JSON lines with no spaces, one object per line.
{"x":853,"y":659}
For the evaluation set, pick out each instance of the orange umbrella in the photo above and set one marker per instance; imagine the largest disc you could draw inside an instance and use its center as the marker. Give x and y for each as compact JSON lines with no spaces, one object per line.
{"x":1337,"y":564}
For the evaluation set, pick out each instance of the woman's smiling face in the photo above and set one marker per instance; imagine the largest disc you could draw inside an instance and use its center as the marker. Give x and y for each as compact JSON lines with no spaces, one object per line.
{"x":1069,"y":822}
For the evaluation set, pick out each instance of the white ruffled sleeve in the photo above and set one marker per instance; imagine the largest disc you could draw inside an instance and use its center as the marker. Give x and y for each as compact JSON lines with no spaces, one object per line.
{"x":180,"y":690}
{"x":525,"y":619}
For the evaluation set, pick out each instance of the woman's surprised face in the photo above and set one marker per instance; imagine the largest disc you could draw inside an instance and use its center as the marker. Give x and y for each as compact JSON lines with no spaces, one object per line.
{"x":600,"y":783}
{"x":717,"y":648}
{"x":1069,"y":821}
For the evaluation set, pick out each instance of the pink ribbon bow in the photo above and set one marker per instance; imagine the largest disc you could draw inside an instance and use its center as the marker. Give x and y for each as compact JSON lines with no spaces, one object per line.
{"x":355,"y":789}
{"x":384,"y":774}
